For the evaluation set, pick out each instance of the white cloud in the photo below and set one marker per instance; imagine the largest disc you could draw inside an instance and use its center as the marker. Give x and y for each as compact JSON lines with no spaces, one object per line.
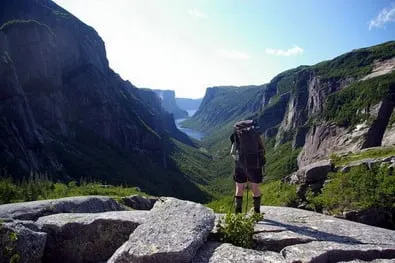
{"x":385,"y":16}
{"x":233,"y":54}
{"x":285,"y":52}
{"x":197,"y":14}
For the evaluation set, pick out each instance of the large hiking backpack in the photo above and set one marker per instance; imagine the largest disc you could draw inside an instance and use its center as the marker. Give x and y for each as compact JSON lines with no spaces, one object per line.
{"x":248,"y":144}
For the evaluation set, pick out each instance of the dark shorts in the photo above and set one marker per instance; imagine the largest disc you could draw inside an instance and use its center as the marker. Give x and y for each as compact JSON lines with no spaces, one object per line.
{"x":253,"y":175}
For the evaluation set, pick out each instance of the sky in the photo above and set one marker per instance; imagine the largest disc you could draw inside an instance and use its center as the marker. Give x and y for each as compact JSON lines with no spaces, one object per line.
{"x":189,"y":45}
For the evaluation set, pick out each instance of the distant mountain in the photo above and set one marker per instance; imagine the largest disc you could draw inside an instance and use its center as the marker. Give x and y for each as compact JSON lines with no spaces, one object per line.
{"x":65,"y":113}
{"x":310,"y":112}
{"x":168,"y":100}
{"x":188,"y":104}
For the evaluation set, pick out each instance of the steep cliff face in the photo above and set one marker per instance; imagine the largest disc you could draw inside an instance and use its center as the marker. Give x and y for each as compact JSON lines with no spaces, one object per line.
{"x":222,"y":105}
{"x":65,"y":112}
{"x":168,"y":100}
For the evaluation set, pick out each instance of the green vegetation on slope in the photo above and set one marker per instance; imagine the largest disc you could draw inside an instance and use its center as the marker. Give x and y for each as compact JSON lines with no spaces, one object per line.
{"x":280,"y":160}
{"x":39,"y":187}
{"x":377,"y":152}
{"x":223,"y":105}
{"x":346,"y":106}
{"x":359,"y":188}
{"x":355,"y":64}
{"x":274,"y":193}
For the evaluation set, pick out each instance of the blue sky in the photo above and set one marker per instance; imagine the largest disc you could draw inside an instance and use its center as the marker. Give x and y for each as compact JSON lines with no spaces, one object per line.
{"x":189,"y":45}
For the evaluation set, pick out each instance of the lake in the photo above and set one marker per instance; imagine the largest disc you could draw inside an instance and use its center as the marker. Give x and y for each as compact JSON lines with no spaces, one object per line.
{"x":191,"y":133}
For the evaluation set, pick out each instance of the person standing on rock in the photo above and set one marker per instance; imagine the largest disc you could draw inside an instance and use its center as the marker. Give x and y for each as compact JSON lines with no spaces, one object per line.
{"x":248,"y":153}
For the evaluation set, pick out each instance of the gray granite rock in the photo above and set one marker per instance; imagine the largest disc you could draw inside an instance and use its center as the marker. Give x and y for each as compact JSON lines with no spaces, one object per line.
{"x":139,"y":202}
{"x":275,"y":241}
{"x":335,"y":252}
{"x":21,"y":244}
{"x":80,"y":204}
{"x":77,"y":237}
{"x":173,"y":232}
{"x":214,"y":252}
{"x":214,"y":235}
{"x":326,"y":228}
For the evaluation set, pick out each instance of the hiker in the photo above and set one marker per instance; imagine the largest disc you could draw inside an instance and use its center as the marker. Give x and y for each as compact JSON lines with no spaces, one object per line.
{"x":248,"y":152}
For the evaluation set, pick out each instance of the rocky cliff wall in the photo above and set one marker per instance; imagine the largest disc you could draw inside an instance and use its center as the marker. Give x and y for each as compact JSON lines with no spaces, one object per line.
{"x":65,"y":112}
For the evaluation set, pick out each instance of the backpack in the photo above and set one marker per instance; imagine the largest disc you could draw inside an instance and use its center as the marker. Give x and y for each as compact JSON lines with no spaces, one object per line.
{"x":248,"y":144}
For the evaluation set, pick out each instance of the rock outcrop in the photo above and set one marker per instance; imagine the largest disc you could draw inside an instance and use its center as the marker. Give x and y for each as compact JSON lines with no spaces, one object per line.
{"x":83,"y":204}
{"x":173,"y":232}
{"x":177,"y":231}
{"x":76,"y":237}
{"x":312,"y":176}
{"x":214,"y":252}
{"x":19,"y":243}
{"x":139,"y":202}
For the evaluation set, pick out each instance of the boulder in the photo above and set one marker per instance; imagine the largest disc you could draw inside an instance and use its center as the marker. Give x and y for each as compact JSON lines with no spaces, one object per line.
{"x":214,"y":234}
{"x":335,"y":252}
{"x":87,"y":237}
{"x":81,"y":204}
{"x":323,"y":227}
{"x":312,"y":175}
{"x":173,"y":232}
{"x":19,"y":243}
{"x":139,"y":202}
{"x":306,"y":236}
{"x":276,"y":241}
{"x":214,"y":252}
{"x":374,"y":216}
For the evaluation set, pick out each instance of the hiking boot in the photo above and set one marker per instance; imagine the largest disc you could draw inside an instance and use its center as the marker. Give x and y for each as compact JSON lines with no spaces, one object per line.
{"x":257,"y":204}
{"x":238,"y":204}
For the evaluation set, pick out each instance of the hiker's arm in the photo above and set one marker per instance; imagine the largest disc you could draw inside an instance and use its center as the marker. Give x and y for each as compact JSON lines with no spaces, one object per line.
{"x":233,"y":151}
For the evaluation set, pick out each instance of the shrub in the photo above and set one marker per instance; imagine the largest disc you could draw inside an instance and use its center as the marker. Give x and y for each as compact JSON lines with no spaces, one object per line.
{"x":360,"y":188}
{"x":279,"y":194}
{"x":238,"y":229}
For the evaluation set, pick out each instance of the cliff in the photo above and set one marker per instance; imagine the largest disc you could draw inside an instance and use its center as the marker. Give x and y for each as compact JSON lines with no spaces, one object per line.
{"x":336,"y":106}
{"x":64,"y":112}
{"x":168,"y":100}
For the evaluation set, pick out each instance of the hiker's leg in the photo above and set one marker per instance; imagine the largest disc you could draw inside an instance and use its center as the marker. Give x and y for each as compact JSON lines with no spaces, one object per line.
{"x":256,"y":191}
{"x":256,"y":179}
{"x":240,"y":179}
{"x":239,"y":197}
{"x":238,"y":204}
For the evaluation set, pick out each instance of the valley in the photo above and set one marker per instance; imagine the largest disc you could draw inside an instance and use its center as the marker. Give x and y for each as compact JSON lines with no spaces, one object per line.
{"x":68,"y":117}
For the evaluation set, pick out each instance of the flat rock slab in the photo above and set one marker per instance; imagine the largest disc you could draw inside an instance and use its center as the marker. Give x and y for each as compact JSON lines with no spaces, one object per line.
{"x":325,"y":228}
{"x":19,"y":243}
{"x":80,"y":204}
{"x":276,"y":241}
{"x":214,"y":252}
{"x":335,"y":252}
{"x":78,"y":237}
{"x":173,"y":232}
{"x":139,"y":202}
